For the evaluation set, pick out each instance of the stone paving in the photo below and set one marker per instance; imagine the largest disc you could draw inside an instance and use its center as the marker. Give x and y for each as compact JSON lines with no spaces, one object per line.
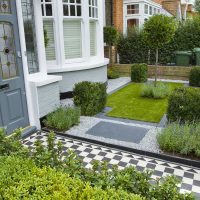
{"x":189,"y":176}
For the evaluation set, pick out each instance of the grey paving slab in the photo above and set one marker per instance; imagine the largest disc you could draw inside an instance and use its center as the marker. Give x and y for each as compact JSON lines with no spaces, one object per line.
{"x":118,"y":132}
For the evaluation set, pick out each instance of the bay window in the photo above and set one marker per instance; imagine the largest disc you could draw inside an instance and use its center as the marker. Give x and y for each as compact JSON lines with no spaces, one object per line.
{"x":72,"y":28}
{"x":48,"y":25}
{"x":133,"y":9}
{"x":93,"y":15}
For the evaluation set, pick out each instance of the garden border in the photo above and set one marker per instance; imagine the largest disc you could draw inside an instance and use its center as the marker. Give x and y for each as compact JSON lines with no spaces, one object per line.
{"x":174,"y":159}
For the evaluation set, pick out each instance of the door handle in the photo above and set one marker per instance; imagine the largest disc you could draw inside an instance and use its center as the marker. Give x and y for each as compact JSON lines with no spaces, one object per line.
{"x":4,"y":87}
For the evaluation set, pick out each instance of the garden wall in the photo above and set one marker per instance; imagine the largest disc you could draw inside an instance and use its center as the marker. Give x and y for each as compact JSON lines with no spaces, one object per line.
{"x":166,"y":72}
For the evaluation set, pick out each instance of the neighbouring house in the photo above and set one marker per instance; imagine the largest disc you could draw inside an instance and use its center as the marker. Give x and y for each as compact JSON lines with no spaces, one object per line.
{"x":46,"y":46}
{"x":124,"y":14}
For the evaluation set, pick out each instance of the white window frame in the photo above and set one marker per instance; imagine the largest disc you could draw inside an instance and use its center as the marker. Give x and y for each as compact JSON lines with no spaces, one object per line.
{"x":150,"y":10}
{"x":93,"y":7}
{"x":135,"y":9}
{"x":75,"y":4}
{"x":70,"y":18}
{"x":146,"y":8}
{"x":46,"y":18}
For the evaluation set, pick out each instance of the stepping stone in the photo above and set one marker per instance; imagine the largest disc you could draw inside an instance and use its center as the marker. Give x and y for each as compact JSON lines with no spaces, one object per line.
{"x":118,"y":132}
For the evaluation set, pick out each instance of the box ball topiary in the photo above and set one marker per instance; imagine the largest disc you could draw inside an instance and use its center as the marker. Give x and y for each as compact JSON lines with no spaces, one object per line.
{"x":90,"y":97}
{"x":139,"y":73}
{"x":194,"y":77}
{"x":184,"y":105}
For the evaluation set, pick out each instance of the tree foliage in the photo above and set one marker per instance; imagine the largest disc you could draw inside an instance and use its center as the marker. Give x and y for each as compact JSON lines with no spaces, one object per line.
{"x":159,"y":30}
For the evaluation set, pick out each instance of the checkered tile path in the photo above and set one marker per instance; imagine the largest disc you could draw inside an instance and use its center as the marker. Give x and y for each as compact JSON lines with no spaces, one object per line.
{"x":190,"y":177}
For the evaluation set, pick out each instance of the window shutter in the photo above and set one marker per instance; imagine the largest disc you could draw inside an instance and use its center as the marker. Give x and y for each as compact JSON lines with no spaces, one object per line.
{"x":72,"y":39}
{"x":50,"y":49}
{"x":93,"y":46}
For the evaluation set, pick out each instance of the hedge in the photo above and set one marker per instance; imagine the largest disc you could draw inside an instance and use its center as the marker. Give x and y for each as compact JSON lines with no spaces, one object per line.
{"x":139,"y":73}
{"x":184,"y":105}
{"x":21,"y":179}
{"x":90,"y":97}
{"x":132,"y":48}
{"x":194,"y":77}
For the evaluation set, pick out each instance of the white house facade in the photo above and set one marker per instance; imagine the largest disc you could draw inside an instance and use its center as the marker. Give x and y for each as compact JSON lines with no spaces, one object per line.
{"x":46,"y":46}
{"x":136,"y":12}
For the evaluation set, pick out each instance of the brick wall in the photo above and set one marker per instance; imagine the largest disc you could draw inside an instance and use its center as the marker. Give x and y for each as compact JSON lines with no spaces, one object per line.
{"x":165,"y":72}
{"x":118,"y":14}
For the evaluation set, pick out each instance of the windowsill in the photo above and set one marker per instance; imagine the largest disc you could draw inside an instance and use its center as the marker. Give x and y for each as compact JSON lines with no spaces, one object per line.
{"x":93,"y":63}
{"x":40,"y":79}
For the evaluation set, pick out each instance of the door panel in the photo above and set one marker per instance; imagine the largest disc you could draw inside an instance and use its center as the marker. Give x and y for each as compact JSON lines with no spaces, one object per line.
{"x":13,"y":104}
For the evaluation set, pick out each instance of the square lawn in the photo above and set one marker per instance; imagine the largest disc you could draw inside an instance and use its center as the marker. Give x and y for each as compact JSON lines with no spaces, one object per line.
{"x":127,"y":103}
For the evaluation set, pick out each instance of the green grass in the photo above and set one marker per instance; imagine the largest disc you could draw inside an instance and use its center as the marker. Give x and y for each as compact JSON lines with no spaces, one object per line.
{"x":127,"y":103}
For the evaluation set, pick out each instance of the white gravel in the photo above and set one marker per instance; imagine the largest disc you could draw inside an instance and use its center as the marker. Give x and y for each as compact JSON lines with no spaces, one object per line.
{"x":148,"y":143}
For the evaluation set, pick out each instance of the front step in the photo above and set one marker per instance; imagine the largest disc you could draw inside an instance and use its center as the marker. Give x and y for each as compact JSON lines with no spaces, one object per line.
{"x":28,"y":131}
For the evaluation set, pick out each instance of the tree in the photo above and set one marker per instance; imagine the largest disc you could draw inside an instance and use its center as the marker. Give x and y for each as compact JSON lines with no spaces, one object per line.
{"x":158,"y":31}
{"x":110,"y":38}
{"x":197,"y":6}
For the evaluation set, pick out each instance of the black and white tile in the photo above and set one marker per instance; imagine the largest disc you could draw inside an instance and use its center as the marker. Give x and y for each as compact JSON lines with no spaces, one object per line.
{"x":189,"y":176}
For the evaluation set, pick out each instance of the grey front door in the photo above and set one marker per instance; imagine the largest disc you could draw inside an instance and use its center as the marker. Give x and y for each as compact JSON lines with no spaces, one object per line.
{"x":13,"y":106}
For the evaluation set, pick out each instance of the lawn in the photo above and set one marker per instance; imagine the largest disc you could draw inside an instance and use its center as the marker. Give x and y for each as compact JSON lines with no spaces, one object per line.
{"x":127,"y":103}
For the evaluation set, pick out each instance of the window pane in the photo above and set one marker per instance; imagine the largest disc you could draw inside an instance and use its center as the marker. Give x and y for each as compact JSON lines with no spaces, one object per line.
{"x":65,"y":10}
{"x":72,"y":39}
{"x":49,"y":32}
{"x":93,"y":46}
{"x":72,"y":10}
{"x":48,"y":10}
{"x":5,"y":7}
{"x":78,"y":10}
{"x":29,"y":30}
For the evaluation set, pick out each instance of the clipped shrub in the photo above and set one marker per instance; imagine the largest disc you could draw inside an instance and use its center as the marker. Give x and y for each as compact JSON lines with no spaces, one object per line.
{"x":11,"y":145}
{"x":112,"y":73}
{"x":183,"y":139}
{"x":184,"y":105}
{"x":139,"y":73}
{"x":161,"y":90}
{"x":63,"y":118}
{"x":90,"y":97}
{"x":194,"y":77}
{"x":21,"y":179}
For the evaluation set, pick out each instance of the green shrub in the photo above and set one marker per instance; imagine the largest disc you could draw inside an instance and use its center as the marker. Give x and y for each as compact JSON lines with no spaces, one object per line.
{"x":21,"y":179}
{"x":102,"y":176}
{"x":195,"y":77}
{"x":112,"y":73}
{"x":184,"y":105}
{"x":11,"y":145}
{"x":183,"y":139}
{"x":90,"y":97}
{"x":161,"y":91}
{"x":139,"y":73}
{"x":63,"y":118}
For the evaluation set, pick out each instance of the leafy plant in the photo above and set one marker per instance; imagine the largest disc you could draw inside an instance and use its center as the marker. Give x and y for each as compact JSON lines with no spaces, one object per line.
{"x":184,"y":105}
{"x":197,"y":6}
{"x":11,"y":145}
{"x":194,"y":78}
{"x":158,"y":31}
{"x":46,"y":39}
{"x":90,"y":97}
{"x":63,"y":118}
{"x":161,"y":91}
{"x":139,"y":73}
{"x":112,"y":73}
{"x":181,"y":138}
{"x":21,"y":179}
